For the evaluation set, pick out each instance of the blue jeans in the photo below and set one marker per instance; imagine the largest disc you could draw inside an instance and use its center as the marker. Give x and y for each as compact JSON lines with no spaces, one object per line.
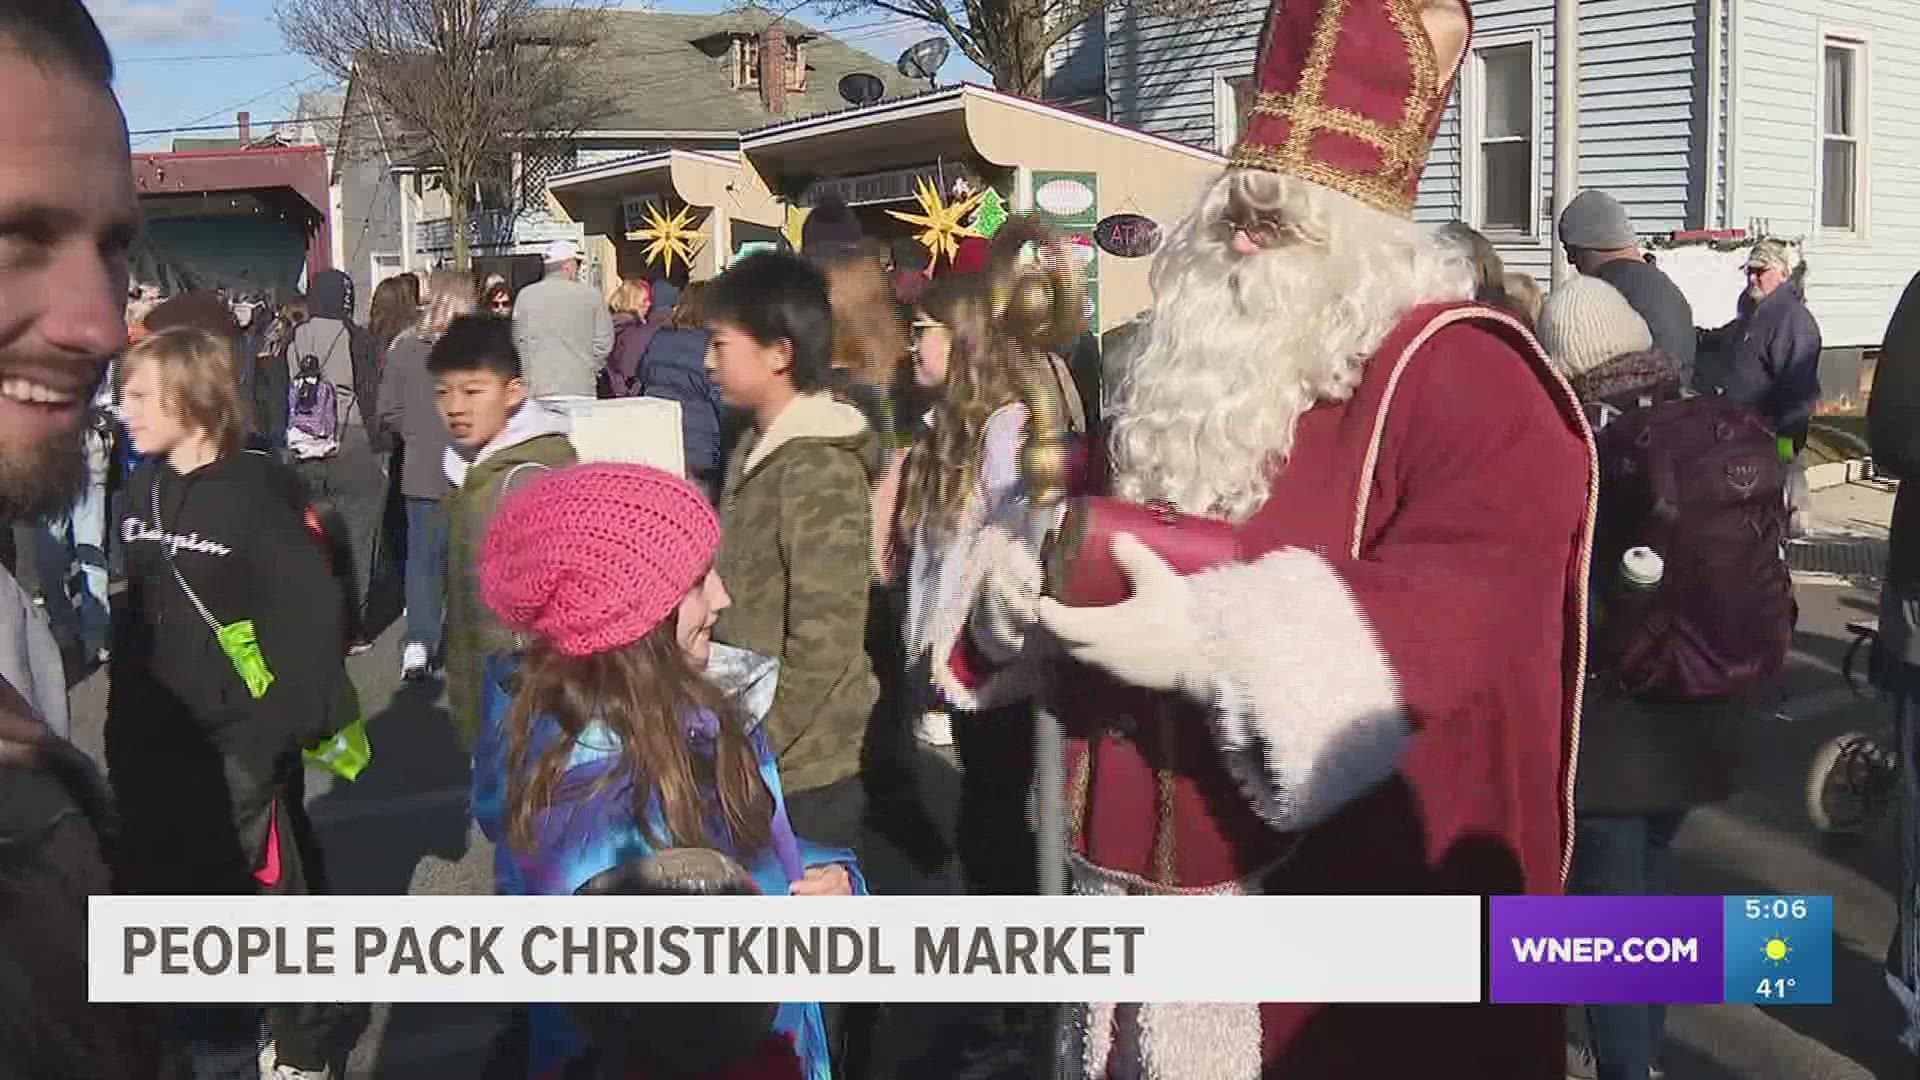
{"x":72,"y":557}
{"x":426,"y":571}
{"x":1624,"y":856}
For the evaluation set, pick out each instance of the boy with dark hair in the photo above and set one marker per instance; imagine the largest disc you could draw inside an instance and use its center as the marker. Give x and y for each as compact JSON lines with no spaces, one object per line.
{"x":501,"y":440}
{"x":798,"y":521}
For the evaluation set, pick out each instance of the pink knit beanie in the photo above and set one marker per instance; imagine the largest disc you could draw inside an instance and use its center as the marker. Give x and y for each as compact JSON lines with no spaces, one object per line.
{"x":593,"y":557}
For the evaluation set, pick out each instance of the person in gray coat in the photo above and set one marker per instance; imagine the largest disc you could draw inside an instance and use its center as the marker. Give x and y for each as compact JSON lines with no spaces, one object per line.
{"x":407,"y":413}
{"x":562,"y":328}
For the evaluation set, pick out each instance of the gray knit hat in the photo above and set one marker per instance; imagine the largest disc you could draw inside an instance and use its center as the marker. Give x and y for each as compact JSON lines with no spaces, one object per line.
{"x":1587,"y":322}
{"x":1596,"y":221}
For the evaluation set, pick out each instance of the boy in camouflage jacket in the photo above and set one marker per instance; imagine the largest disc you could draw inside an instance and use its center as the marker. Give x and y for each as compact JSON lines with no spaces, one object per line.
{"x":798,"y":518}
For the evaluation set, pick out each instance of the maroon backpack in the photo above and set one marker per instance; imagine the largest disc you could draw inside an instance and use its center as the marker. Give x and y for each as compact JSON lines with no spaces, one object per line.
{"x":1700,"y":481}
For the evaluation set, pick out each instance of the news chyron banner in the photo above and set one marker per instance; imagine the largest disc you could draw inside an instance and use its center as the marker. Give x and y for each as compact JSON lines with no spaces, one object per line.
{"x":1767,"y":950}
{"x":1775,"y":950}
{"x":594,"y":949}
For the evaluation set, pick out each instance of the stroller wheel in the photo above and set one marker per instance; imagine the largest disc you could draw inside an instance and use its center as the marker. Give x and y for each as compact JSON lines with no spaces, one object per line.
{"x":1850,"y":780}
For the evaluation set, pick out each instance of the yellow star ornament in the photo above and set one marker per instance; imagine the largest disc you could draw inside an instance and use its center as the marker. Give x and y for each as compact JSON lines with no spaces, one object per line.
{"x":940,"y":220}
{"x":796,"y":219}
{"x":668,"y":238}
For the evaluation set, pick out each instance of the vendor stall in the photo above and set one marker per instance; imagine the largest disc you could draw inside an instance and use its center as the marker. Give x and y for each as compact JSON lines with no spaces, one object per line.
{"x":955,"y":162}
{"x":672,"y":214}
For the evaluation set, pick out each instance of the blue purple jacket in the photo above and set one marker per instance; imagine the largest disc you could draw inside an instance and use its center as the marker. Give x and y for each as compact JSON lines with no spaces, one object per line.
{"x":579,"y":840}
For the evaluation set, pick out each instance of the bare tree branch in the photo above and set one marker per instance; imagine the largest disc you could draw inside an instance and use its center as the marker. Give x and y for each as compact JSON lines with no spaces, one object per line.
{"x":466,"y":83}
{"x":1011,"y":38}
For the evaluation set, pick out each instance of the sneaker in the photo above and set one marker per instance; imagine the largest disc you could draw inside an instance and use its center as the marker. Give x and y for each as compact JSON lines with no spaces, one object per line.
{"x":414,"y":662}
{"x":359,"y":646}
{"x":1850,"y":780}
{"x":934,"y":727}
{"x":272,"y":1069}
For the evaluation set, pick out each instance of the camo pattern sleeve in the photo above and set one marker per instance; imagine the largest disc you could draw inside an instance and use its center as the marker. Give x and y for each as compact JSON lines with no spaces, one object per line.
{"x":820,"y":712}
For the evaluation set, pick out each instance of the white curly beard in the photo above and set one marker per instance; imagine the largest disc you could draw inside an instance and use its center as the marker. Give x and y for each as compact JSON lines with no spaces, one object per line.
{"x":1237,"y":348}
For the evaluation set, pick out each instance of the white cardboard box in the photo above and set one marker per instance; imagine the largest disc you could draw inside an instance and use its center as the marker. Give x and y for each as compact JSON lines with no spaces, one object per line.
{"x":639,"y":430}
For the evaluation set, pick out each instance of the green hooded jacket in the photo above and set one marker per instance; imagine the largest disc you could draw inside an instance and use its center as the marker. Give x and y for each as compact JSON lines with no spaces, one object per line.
{"x":536,"y":438}
{"x":797,"y":508}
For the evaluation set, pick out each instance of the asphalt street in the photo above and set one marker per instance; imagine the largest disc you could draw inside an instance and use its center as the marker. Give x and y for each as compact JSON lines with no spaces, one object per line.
{"x":403,"y":828}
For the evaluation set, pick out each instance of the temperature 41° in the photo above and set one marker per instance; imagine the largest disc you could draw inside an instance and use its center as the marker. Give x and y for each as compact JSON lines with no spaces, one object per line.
{"x":1776,"y":987}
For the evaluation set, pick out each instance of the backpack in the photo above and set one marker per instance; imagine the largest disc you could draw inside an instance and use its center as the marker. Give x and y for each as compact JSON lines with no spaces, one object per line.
{"x":1699,"y":481}
{"x":313,"y":416}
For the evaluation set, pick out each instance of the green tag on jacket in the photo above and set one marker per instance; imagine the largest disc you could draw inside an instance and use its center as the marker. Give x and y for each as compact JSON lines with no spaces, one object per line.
{"x":242,"y":646}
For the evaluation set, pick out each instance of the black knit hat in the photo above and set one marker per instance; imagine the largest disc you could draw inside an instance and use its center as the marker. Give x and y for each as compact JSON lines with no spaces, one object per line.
{"x":830,"y":230}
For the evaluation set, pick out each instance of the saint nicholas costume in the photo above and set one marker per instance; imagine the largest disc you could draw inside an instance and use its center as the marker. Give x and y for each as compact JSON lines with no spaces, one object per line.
{"x":1383,"y":691}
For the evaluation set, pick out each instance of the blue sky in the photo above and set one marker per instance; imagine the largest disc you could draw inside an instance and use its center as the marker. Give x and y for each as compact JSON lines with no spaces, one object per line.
{"x":187,"y":63}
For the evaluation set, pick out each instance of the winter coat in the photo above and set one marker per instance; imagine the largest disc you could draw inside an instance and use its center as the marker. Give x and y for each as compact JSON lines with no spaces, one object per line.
{"x":1639,"y":756}
{"x":794,"y":554}
{"x":535,"y":438}
{"x":631,"y":337}
{"x":30,"y":656}
{"x":603,"y":828}
{"x":56,"y":829}
{"x":196,"y":760}
{"x":408,"y":414}
{"x":1651,"y":293}
{"x":1774,"y":366}
{"x":675,"y":368}
{"x":1893,"y":430}
{"x":564,"y":333}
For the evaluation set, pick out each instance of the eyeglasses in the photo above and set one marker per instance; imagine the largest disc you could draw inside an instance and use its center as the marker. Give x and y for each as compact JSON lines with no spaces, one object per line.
{"x":1265,"y":228}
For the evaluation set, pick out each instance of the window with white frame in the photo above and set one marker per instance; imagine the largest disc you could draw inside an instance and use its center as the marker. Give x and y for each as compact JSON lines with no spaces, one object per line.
{"x":1232,"y":101}
{"x":1503,"y":116}
{"x":1842,"y":133}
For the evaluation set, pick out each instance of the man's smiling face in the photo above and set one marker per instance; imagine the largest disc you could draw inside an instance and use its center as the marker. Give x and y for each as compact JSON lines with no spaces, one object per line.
{"x":67,"y":217}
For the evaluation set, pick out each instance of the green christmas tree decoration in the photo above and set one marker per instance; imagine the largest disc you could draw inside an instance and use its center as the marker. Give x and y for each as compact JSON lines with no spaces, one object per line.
{"x":991,"y":214}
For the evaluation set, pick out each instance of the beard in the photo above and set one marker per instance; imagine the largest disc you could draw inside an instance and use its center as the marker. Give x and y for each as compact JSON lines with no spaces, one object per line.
{"x":1238,"y":347}
{"x":42,"y":479}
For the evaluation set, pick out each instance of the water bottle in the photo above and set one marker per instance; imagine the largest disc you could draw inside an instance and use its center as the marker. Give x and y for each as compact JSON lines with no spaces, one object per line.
{"x":1641,"y":569}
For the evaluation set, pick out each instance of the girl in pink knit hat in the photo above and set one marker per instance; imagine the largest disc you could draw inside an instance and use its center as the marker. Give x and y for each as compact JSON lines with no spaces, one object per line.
{"x":627,"y":731}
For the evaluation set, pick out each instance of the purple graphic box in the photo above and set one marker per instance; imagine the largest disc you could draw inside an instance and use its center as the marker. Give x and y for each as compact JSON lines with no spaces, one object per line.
{"x":1578,"y":950}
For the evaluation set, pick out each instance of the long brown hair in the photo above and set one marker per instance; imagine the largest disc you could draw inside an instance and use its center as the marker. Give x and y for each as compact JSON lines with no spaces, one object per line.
{"x":642,"y":695}
{"x":1002,"y":323}
{"x":448,"y":296}
{"x":395,"y":306}
{"x":869,"y":336}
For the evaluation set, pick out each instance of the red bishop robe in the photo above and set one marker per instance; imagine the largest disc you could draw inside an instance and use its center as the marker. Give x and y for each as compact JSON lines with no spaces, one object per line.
{"x":1397,"y":664}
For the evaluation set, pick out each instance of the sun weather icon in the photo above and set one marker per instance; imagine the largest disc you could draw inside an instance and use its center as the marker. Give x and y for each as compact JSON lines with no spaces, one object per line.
{"x":1777,"y":948}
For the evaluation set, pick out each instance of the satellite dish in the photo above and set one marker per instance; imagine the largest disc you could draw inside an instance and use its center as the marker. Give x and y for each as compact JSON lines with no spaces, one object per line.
{"x":861,"y":88}
{"x":922,"y":59}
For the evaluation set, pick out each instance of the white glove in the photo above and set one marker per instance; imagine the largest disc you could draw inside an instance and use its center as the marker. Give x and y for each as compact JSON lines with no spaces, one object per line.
{"x":1008,"y":598}
{"x":1148,"y":640}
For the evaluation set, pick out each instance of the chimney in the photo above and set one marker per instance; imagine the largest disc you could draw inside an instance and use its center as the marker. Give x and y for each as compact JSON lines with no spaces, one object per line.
{"x":773,"y":70}
{"x":245,"y":122}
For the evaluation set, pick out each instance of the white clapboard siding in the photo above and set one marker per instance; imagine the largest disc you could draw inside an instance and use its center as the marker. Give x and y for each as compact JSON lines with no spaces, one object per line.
{"x":1642,"y":106}
{"x":1161,"y":69}
{"x":1853,"y":280}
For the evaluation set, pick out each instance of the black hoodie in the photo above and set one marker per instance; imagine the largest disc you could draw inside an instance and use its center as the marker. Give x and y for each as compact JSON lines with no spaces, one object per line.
{"x":195,"y":760}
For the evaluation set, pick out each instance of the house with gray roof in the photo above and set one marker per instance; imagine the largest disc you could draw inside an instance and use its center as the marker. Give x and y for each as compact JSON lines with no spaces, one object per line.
{"x":674,"y":82}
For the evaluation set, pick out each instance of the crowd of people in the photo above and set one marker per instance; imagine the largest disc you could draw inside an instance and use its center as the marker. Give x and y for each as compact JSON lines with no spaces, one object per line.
{"x":1362,"y":567}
